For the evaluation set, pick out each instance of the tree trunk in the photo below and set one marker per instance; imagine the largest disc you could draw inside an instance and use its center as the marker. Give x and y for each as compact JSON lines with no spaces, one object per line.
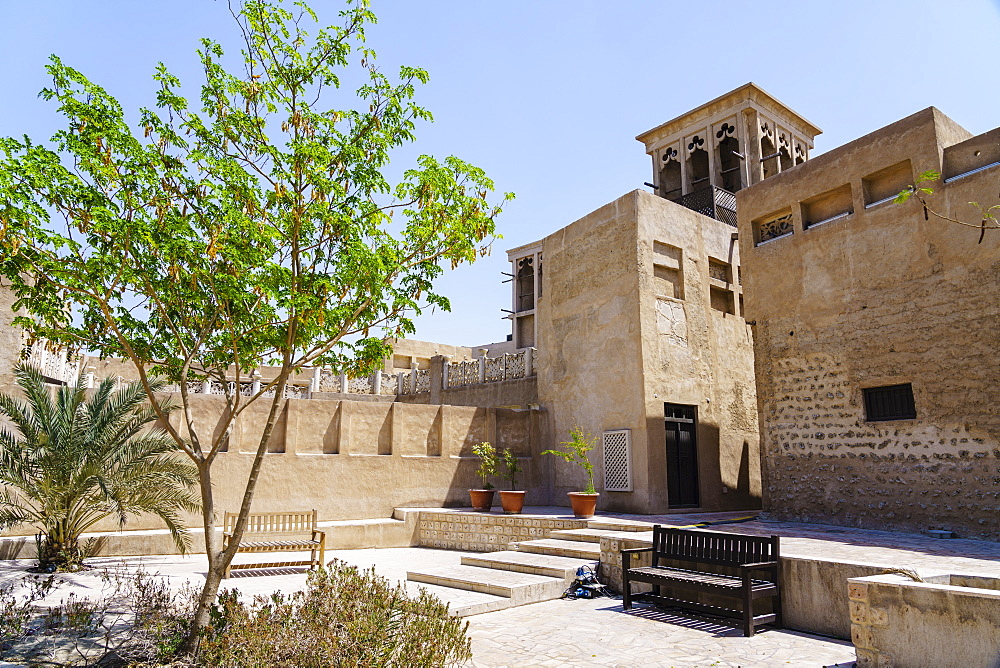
{"x":218,"y":558}
{"x":213,"y":552}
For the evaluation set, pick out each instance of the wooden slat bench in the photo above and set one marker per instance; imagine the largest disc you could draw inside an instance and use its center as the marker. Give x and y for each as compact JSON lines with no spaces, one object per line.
{"x":277,"y":532}
{"x":705,"y":557}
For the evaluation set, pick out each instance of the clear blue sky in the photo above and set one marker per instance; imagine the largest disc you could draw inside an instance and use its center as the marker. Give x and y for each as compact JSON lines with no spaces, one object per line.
{"x":548,"y":95}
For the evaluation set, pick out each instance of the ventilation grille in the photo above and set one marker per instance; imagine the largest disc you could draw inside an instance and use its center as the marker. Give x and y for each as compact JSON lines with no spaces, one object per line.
{"x":617,"y":461}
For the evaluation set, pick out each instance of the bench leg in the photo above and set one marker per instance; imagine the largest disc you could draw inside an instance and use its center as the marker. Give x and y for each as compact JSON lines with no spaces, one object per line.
{"x":778,"y":621}
{"x":626,"y":587}
{"x":747,"y":610}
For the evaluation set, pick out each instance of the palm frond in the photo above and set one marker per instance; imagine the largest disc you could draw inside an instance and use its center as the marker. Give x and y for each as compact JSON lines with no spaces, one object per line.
{"x":70,"y":462}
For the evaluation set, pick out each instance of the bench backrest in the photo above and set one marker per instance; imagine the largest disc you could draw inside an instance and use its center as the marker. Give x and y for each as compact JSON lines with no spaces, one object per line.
{"x":271,"y":523}
{"x":709,"y":547}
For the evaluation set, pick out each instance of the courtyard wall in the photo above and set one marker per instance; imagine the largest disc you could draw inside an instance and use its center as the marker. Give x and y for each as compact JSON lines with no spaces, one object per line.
{"x":359,"y":460}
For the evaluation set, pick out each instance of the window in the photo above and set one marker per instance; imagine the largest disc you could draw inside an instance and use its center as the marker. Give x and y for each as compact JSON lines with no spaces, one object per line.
{"x":525,"y":284}
{"x":668,"y":276}
{"x":892,"y":402}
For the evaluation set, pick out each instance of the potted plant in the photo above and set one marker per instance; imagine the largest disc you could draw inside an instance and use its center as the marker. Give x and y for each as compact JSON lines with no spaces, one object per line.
{"x":583,"y":503}
{"x":482,"y":498}
{"x":511,"y":499}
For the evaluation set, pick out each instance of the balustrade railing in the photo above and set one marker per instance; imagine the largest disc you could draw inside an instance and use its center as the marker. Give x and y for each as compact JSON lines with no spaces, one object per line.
{"x":712,"y":201}
{"x":59,"y":366}
{"x":52,"y":361}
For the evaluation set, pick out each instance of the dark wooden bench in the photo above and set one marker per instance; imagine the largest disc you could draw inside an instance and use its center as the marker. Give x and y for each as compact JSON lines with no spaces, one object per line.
{"x":277,"y":532}
{"x":718,"y":564}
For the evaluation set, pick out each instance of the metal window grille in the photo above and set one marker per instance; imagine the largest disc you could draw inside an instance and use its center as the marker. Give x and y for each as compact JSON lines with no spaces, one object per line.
{"x":618,"y":461}
{"x":892,"y":402}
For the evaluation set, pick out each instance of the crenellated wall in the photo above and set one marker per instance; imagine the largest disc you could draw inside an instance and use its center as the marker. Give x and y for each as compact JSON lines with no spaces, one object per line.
{"x":360,"y":460}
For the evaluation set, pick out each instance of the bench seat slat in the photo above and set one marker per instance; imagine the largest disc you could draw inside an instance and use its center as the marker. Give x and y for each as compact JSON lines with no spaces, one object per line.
{"x":667,"y":576}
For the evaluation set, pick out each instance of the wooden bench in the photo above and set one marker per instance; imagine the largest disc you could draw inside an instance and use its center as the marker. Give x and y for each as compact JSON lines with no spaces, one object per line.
{"x":277,"y":532}
{"x":706,"y":556}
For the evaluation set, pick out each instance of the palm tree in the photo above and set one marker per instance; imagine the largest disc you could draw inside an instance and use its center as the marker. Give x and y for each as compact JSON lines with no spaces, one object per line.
{"x":70,"y":462}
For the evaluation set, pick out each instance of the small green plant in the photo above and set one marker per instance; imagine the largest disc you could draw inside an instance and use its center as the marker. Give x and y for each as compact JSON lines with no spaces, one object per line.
{"x":510,"y":466}
{"x":487,"y":462}
{"x":576,"y":448}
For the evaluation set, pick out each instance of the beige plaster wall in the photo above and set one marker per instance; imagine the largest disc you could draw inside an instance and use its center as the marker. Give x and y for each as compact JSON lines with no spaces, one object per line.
{"x":10,"y":336}
{"x":360,"y":460}
{"x":702,"y":358}
{"x":878,"y":298}
{"x":520,"y":392}
{"x":589,"y":362}
{"x":604,"y":364}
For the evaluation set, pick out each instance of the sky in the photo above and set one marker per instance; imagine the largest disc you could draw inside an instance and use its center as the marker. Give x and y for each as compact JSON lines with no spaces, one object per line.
{"x":548,"y":95}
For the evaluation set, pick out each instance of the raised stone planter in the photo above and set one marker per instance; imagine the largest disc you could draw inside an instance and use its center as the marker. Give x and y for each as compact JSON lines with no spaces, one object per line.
{"x":950,"y":620}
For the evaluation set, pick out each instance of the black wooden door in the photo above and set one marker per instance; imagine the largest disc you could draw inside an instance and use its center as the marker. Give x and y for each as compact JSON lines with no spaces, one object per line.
{"x":682,"y":456}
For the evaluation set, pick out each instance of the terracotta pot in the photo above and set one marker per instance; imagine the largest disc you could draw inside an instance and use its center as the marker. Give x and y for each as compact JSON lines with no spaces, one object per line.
{"x":584,"y":505}
{"x":482,"y":499}
{"x":512,"y":501}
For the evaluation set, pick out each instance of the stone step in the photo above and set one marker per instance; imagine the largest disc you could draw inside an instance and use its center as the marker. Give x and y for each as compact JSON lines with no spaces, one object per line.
{"x":562,"y":548}
{"x":520,"y":588}
{"x":461,"y":602}
{"x":530,"y":562}
{"x":613,"y":524}
{"x":592,"y":535}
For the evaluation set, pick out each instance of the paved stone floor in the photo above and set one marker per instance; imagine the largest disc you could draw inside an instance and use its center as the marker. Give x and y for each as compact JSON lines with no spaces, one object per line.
{"x":599,"y":633}
{"x":555,"y":633}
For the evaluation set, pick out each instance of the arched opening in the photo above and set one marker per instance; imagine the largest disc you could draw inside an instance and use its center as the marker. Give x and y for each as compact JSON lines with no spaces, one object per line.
{"x":525,"y":284}
{"x":730,"y":168}
{"x":786,"y":158}
{"x":800,"y":154}
{"x":769,"y":157}
{"x":670,"y":180}
{"x":698,"y":169}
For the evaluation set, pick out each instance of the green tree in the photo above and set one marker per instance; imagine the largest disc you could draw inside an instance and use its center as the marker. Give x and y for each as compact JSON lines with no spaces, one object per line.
{"x":922,"y":192}
{"x":70,"y":462}
{"x":575,"y":452}
{"x":257,"y":228}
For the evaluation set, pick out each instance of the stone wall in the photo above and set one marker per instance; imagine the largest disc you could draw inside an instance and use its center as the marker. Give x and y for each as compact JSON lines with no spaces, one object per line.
{"x":879,"y":297}
{"x":947,"y":621}
{"x":699,"y":353}
{"x":485,"y":532}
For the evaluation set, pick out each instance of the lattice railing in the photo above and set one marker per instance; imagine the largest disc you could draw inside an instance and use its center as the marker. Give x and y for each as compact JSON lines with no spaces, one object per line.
{"x":389,"y":382}
{"x":463,"y":373}
{"x":362,"y":385}
{"x":515,"y":365}
{"x":423,"y":381}
{"x":52,"y":361}
{"x":494,"y":369}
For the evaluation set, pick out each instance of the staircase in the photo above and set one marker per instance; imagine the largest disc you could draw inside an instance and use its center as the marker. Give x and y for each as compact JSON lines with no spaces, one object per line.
{"x":529,"y":571}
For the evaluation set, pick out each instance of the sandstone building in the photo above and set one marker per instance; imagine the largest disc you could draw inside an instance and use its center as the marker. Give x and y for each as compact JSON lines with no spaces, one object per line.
{"x":875,"y":332}
{"x":637,"y":313}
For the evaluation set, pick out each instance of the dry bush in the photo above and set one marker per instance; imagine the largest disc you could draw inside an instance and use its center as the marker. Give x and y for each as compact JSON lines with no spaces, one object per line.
{"x":345,"y":618}
{"x":136,"y":619}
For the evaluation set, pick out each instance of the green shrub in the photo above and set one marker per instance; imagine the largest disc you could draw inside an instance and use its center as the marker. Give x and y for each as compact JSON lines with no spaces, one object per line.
{"x":345,"y":618}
